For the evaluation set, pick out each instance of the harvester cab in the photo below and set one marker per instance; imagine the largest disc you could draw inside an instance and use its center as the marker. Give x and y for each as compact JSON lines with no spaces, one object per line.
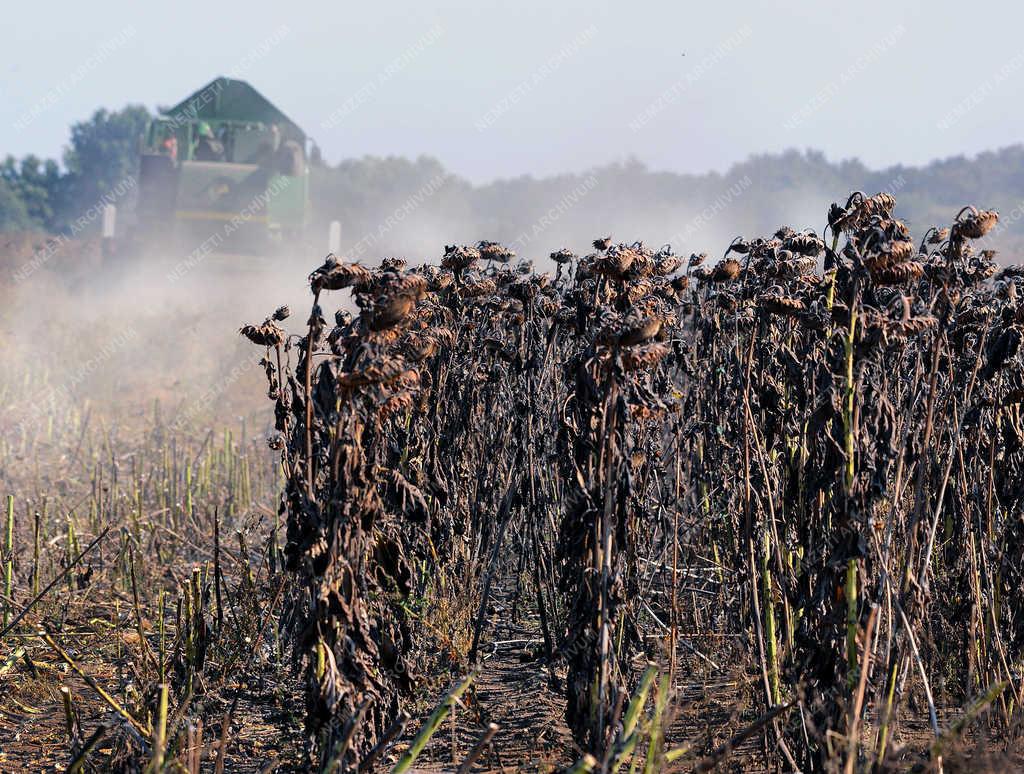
{"x":223,"y":171}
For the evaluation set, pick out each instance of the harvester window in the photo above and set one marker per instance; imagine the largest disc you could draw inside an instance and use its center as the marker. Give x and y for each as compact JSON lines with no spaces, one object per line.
{"x":208,"y":146}
{"x":254,"y":144}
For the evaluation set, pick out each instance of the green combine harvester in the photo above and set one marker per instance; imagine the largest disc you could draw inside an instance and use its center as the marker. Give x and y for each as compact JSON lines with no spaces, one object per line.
{"x":223,"y":171}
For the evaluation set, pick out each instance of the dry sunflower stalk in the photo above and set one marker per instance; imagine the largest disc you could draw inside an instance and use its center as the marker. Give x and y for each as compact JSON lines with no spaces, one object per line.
{"x":786,"y":416}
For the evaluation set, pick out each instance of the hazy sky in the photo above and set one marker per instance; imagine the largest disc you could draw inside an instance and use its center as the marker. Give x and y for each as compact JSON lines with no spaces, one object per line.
{"x":496,"y":89}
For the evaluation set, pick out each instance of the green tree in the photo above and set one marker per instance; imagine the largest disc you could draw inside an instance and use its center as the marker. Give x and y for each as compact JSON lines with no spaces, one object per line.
{"x":13,"y":215}
{"x":38,"y":184}
{"x":103,"y":153}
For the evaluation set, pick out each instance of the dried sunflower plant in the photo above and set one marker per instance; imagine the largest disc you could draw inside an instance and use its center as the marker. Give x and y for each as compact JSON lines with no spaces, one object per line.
{"x":809,"y":452}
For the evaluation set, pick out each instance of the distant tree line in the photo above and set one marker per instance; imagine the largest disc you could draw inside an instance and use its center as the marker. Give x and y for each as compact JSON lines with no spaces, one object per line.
{"x":414,"y":206}
{"x":102,"y":153}
{"x":382,"y":209}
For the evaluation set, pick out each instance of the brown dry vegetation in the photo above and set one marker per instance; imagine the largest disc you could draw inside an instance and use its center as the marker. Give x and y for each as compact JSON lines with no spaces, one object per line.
{"x":640,"y":511}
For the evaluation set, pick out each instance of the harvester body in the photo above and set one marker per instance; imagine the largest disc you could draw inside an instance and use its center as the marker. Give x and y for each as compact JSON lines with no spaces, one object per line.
{"x":224,"y":166}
